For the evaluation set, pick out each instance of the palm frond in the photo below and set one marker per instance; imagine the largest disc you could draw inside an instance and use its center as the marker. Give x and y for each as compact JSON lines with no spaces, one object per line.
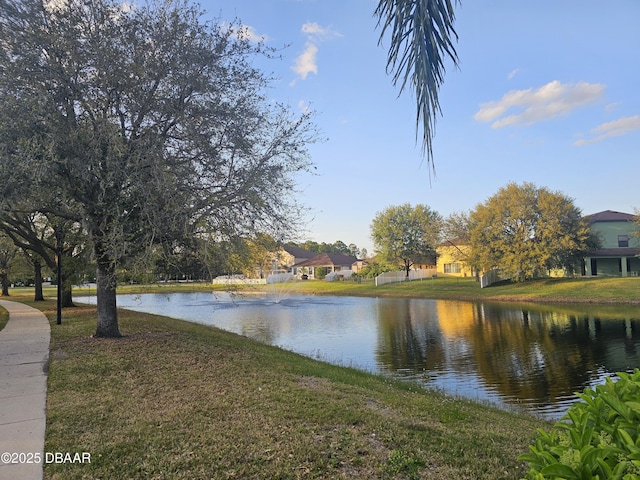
{"x":422,"y":36}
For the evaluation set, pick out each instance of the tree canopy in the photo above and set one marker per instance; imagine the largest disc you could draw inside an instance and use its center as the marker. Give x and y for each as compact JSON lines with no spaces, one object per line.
{"x":407,"y":234}
{"x":525,"y":231}
{"x":144,"y":124}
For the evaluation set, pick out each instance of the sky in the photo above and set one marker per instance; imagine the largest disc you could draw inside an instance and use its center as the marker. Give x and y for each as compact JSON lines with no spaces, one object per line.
{"x":545,"y":92}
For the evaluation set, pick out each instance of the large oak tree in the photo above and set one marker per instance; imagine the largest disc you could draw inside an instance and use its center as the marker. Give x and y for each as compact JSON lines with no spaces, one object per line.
{"x":146,"y":124}
{"x":524,"y":231}
{"x":407,"y":234}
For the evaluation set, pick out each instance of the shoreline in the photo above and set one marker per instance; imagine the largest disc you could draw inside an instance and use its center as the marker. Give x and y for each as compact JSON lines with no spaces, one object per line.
{"x":610,"y":291}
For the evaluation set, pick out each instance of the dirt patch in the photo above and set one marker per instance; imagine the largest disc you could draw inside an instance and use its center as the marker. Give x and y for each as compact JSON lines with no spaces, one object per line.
{"x":314,"y":383}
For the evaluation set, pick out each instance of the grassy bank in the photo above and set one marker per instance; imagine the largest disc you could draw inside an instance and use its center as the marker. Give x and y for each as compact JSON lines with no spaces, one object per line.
{"x":178,"y":400}
{"x":584,"y":290}
{"x":549,"y":290}
{"x":611,"y":290}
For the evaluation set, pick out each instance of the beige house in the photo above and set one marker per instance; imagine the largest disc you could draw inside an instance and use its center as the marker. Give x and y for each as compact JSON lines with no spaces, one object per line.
{"x":287,"y":256}
{"x":331,"y":262}
{"x":281,"y":260}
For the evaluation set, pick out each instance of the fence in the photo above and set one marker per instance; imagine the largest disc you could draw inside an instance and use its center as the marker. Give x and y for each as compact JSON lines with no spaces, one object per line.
{"x":237,"y":280}
{"x":340,"y":274}
{"x":401,"y":276}
{"x":488,"y":278}
{"x":280,"y":278}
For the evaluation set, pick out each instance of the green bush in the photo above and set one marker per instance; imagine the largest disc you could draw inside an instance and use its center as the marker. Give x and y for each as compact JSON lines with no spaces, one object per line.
{"x":598,"y":438}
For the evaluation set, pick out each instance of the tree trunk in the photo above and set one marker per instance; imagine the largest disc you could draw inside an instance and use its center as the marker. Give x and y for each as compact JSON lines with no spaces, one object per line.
{"x":37,"y":269}
{"x":4,"y":279}
{"x":106,"y":299}
{"x":67,"y":296}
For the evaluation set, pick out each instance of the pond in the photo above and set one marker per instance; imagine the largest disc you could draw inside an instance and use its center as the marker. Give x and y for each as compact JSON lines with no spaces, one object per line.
{"x":525,"y":357}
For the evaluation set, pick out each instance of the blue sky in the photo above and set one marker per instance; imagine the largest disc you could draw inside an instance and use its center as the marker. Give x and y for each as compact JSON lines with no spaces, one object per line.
{"x":546,"y":92}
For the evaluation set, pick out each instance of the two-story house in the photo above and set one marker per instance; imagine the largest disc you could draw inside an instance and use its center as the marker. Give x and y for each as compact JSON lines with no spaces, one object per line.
{"x":618,"y":254}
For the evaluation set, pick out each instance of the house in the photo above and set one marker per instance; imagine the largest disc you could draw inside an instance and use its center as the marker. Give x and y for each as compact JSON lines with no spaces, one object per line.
{"x":330,"y":262}
{"x":453,"y":258}
{"x":289,"y":255}
{"x":359,"y":265}
{"x":618,"y":254}
{"x":282,"y":260}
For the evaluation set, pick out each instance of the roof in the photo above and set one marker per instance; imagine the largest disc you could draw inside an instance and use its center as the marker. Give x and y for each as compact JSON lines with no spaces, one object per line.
{"x":610,"y":216}
{"x":328,"y":259}
{"x":615,"y":252}
{"x":298,"y":252}
{"x":455,"y":242}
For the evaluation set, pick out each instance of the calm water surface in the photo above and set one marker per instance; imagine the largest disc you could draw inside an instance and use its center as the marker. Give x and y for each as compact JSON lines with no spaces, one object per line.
{"x":527,"y":357}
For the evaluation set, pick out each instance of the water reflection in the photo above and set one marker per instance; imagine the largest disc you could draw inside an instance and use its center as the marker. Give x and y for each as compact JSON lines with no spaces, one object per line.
{"x":530,"y":356}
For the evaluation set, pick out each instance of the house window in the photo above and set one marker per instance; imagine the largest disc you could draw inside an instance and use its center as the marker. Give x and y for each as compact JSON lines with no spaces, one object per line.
{"x":452,"y":268}
{"x":623,"y":240}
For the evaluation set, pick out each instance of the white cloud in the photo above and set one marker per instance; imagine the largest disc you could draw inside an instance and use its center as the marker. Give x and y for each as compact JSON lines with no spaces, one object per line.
{"x":616,"y":128}
{"x":544,"y":103}
{"x":304,"y":106}
{"x":612,"y":106}
{"x":314,"y":31}
{"x":245,"y":32}
{"x":306,"y":62}
{"x":250,"y":33}
{"x":513,"y":73}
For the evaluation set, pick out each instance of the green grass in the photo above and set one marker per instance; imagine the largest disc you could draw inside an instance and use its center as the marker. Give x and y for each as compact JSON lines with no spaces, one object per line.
{"x":178,"y":400}
{"x":549,"y":290}
{"x":4,"y":317}
{"x":591,"y":290}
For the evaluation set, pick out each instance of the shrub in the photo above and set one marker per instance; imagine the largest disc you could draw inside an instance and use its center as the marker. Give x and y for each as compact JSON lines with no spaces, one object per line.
{"x":599,"y":437}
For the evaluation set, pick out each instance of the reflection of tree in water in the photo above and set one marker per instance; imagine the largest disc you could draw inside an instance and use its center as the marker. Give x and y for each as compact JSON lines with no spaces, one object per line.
{"x":533,"y":354}
{"x":548,"y":356}
{"x":409,"y":340}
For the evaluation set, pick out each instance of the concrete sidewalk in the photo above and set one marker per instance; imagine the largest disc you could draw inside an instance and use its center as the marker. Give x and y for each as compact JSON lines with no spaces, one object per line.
{"x":24,"y":353}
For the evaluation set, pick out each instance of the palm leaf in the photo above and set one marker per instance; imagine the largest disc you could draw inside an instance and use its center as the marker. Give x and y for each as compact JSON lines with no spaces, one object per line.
{"x":422,"y":36}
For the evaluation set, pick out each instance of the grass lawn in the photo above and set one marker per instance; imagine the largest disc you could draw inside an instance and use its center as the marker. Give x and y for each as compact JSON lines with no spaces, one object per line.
{"x":585,"y":290}
{"x":178,"y":400}
{"x":4,"y":317}
{"x":611,"y":290}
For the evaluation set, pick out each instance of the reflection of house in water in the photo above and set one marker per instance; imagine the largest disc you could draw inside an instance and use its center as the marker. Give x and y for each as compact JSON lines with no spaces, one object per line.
{"x":529,"y":355}
{"x":622,"y":339}
{"x":456,"y":319}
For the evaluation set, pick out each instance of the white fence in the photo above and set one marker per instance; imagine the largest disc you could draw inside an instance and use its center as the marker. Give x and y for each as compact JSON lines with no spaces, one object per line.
{"x":488,"y":278}
{"x":401,"y":276}
{"x":280,"y":278}
{"x":237,"y":280}
{"x":333,"y":276}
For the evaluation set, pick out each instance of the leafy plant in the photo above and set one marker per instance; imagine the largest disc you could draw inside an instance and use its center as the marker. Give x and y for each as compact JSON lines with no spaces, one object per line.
{"x":598,"y":438}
